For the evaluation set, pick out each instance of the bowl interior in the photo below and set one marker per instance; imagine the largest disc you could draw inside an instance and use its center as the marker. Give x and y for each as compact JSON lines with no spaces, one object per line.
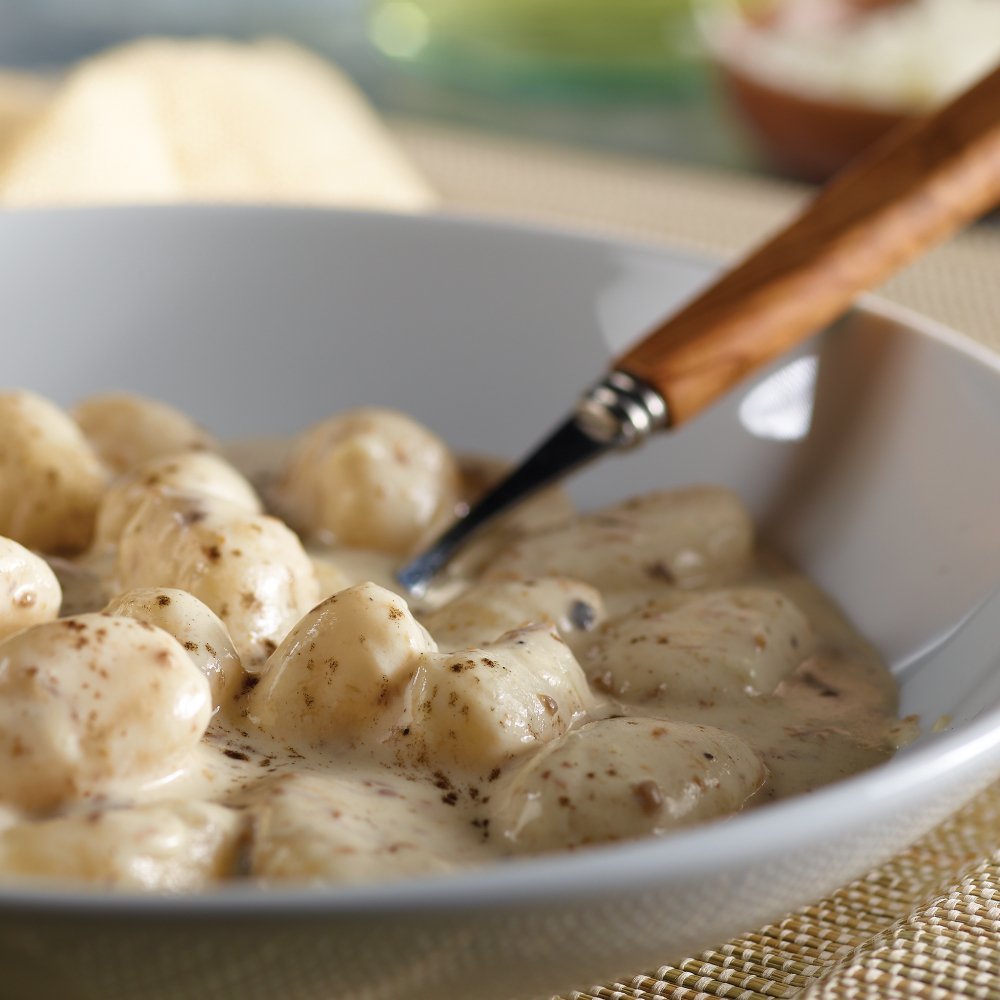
{"x":868,"y":456}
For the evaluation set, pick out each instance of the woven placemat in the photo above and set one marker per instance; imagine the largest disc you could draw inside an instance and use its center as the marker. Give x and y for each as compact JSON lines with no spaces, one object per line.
{"x":927,"y":924}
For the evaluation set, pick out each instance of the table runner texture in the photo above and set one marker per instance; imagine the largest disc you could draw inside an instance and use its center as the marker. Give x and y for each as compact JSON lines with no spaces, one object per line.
{"x":927,"y":923}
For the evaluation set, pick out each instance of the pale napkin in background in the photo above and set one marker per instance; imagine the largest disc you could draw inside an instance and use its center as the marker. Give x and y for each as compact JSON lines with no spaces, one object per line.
{"x":22,"y":99}
{"x":199,"y":120}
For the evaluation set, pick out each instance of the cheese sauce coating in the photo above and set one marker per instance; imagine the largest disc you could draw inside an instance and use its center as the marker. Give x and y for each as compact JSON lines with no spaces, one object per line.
{"x":193,"y":690}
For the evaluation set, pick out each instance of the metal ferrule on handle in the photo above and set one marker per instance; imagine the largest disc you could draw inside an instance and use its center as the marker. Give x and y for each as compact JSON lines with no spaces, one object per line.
{"x":621,"y":410}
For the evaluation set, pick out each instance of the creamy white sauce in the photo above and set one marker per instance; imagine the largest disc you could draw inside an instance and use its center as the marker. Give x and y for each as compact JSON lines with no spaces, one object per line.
{"x":691,"y":679}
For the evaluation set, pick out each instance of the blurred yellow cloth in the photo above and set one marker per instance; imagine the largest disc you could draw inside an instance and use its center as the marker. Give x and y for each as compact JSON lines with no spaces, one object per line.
{"x":199,"y":120}
{"x":22,"y":99}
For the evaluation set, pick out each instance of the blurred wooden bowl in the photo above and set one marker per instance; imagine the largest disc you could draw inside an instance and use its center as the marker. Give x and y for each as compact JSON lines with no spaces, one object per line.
{"x":806,"y":137}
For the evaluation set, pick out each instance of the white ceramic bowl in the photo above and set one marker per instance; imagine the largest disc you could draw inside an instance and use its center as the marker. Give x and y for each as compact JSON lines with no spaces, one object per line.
{"x":870,"y":457}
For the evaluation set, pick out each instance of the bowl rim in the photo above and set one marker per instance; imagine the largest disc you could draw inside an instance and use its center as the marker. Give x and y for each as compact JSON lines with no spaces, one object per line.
{"x":685,"y":855}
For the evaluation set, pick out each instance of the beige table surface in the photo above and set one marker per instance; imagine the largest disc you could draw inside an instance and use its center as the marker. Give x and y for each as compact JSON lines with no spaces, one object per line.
{"x":927,"y":924}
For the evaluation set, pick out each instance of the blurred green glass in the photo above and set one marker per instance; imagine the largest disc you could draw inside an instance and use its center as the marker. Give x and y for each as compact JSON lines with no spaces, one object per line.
{"x":590,"y":46}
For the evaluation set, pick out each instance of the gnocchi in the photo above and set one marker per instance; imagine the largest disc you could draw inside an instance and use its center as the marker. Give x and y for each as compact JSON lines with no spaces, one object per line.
{"x":126,"y":430}
{"x":29,"y":590}
{"x":370,"y":478}
{"x":341,"y":671}
{"x":713,"y":645}
{"x":689,"y":538}
{"x":623,"y":778}
{"x":196,"y":474}
{"x":169,"y":847}
{"x":380,"y":834}
{"x":476,"y":709}
{"x":51,"y":479}
{"x":195,"y":626}
{"x":250,"y":570}
{"x":93,"y":705}
{"x":255,"y":700}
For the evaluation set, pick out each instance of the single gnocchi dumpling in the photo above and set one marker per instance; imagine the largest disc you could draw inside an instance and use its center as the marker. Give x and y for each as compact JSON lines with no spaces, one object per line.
{"x":720,"y":644}
{"x":188,"y":473}
{"x":486,"y":610}
{"x":370,"y":478}
{"x":126,"y":429}
{"x":249,"y":569}
{"x":339,"y":675}
{"x":195,"y":626}
{"x":50,"y":478}
{"x":683,"y":538}
{"x":94,"y":705}
{"x":29,"y":590}
{"x":476,"y":709}
{"x":377,"y":835}
{"x":621,"y":778}
{"x":162,"y":846}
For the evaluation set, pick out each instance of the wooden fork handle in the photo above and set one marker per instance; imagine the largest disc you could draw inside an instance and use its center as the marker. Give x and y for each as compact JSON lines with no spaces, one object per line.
{"x":910,"y":191}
